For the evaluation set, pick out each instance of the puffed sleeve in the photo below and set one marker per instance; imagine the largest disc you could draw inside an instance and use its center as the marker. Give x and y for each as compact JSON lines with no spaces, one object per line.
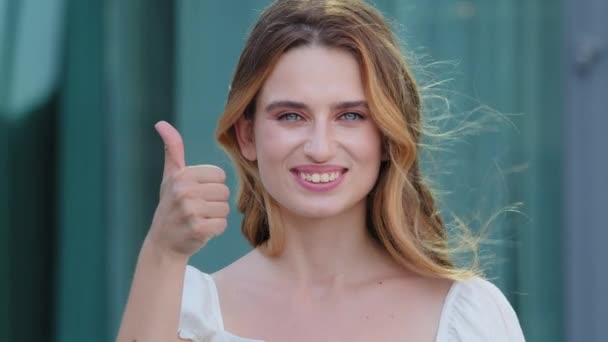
{"x":475,"y":311}
{"x":200,"y":316}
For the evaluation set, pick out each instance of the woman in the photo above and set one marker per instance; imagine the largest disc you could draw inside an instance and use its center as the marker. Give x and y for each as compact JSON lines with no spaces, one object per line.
{"x":323,"y":124}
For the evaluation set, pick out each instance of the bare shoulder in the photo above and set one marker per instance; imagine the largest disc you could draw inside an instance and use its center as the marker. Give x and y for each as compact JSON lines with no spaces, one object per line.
{"x":420,"y":302}
{"x":246,"y":268}
{"x":403,"y":285}
{"x":243,"y":288}
{"x":437,"y":288}
{"x":241,"y":282}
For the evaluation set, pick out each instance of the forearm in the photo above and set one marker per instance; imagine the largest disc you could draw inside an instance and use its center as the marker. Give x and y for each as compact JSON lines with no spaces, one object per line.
{"x":192,"y":208}
{"x":153,"y":307}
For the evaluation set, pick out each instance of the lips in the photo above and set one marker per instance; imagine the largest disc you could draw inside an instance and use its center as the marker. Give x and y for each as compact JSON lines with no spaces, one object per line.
{"x":319,"y":177}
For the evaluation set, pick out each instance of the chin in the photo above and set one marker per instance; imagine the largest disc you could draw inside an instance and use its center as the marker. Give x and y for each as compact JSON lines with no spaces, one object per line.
{"x":316,"y":214}
{"x":318,"y":211}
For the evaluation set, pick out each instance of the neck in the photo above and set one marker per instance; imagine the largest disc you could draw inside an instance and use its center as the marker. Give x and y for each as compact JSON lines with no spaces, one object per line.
{"x":329,"y":251}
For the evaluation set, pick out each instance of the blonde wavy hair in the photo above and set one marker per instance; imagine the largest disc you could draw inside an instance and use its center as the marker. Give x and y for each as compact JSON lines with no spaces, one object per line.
{"x":401,"y":211}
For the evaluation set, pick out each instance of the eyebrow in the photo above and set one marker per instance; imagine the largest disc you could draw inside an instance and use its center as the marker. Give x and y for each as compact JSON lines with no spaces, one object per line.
{"x":300,"y":105}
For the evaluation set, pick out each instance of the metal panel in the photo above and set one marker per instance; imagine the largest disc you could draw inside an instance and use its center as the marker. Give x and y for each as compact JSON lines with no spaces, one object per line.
{"x":585,"y":234}
{"x":205,"y":62}
{"x":5,"y":257}
{"x":536,"y":78}
{"x":118,"y":83}
{"x":81,"y":291}
{"x":139,"y":85}
{"x":506,"y":56}
{"x":6,"y":37}
{"x":28,"y":117}
{"x":33,"y":78}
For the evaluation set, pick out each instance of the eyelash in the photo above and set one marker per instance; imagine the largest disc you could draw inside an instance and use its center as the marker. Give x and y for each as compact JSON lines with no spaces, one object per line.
{"x":357,"y":115}
{"x":283,"y":117}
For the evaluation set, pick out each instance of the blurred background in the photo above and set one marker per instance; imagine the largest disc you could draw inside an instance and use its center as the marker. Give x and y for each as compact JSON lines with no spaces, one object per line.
{"x":82,"y":83}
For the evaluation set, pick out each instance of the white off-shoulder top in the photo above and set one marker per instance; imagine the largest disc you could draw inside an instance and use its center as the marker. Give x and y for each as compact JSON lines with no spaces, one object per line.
{"x":474,"y":311}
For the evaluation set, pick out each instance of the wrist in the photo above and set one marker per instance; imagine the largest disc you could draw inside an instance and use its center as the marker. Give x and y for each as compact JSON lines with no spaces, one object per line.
{"x":162,"y":257}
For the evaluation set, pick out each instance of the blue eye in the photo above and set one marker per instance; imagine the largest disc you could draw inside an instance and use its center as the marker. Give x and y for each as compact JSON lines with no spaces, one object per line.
{"x":290,"y":117}
{"x":351,"y":116}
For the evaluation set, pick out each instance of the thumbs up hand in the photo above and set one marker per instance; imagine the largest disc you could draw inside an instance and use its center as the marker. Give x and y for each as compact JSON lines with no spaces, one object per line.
{"x":193,"y":203}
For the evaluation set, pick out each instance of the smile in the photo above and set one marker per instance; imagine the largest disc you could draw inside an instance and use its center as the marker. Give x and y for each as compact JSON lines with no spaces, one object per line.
{"x":319,"y":177}
{"x":324,"y":177}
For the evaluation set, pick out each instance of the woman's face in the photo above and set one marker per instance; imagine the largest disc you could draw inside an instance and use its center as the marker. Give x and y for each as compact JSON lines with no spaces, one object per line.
{"x":317,"y":149}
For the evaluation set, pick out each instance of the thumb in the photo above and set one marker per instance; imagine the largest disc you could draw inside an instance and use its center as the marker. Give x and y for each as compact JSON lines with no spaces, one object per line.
{"x":174,"y":148}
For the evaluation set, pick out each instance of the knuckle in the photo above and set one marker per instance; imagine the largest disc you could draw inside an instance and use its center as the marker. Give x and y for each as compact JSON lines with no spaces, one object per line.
{"x":216,"y":173}
{"x":219,"y":226}
{"x":200,"y":230}
{"x":221,"y":175}
{"x":199,"y":234}
{"x":216,"y":191}
{"x":189,"y":215}
{"x":180,"y":193}
{"x":223,"y":224}
{"x":185,"y":199}
{"x":225,"y":192}
{"x":188,"y":220}
{"x":225,"y":209}
{"x":208,"y":228}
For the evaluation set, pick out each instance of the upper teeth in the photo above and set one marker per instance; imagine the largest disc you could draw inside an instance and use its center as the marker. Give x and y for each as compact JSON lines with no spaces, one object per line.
{"x":320,"y":177}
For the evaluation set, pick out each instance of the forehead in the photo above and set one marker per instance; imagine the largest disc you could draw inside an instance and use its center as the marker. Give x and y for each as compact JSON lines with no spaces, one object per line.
{"x":314,"y":75}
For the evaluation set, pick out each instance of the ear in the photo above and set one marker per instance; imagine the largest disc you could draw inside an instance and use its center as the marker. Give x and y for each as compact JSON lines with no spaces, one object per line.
{"x":244,"y":135}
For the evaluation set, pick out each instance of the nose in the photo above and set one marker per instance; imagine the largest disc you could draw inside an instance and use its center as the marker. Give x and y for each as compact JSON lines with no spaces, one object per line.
{"x":320,"y":145}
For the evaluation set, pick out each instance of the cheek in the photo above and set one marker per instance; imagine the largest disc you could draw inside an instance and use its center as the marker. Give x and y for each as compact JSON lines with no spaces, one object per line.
{"x":366,"y":145}
{"x":272,"y":144}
